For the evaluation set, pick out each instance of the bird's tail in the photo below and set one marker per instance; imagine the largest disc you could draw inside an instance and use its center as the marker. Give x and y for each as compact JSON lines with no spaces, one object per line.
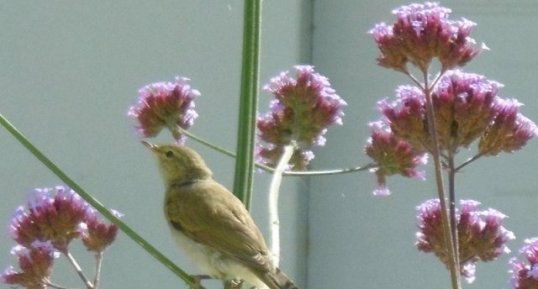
{"x":277,"y":280}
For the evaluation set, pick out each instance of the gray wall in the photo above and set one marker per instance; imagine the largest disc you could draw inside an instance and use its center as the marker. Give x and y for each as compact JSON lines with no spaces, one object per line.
{"x":70,"y":69}
{"x":361,"y":241}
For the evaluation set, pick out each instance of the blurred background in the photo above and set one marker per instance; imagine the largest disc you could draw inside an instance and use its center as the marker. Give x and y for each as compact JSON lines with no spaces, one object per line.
{"x":69,"y":70}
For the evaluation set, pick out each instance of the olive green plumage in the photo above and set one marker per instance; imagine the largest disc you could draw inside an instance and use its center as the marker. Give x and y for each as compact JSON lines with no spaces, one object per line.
{"x":211,"y":224}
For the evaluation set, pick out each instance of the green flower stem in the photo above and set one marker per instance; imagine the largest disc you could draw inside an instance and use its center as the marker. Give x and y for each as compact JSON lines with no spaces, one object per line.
{"x":177,"y":131}
{"x":453,"y":263}
{"x":274,"y":191}
{"x":244,"y":165}
{"x":467,"y":162}
{"x":452,"y":204}
{"x":96,"y":204}
{"x":328,"y":172}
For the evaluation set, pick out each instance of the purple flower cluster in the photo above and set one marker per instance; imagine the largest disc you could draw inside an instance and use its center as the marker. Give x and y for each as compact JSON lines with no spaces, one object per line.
{"x":423,"y":32}
{"x":51,"y":220}
{"x":481,"y":236}
{"x":304,"y":106}
{"x":165,"y":105}
{"x":392,"y":155}
{"x":509,"y":130}
{"x":467,"y":109}
{"x":525,"y":270}
{"x":36,"y":266}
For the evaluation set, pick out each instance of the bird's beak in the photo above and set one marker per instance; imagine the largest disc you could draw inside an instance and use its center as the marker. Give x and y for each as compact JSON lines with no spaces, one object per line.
{"x":150,"y":146}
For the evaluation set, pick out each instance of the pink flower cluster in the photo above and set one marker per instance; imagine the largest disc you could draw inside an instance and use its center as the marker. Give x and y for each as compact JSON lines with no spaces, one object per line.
{"x":51,"y":220}
{"x":467,"y":109}
{"x":165,"y":105}
{"x":525,"y":270}
{"x":423,"y":32}
{"x":481,"y":236}
{"x":303,"y":108}
{"x":36,"y":266}
{"x":392,"y":155}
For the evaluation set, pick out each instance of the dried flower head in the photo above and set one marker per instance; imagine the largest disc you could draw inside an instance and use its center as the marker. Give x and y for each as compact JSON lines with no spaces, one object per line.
{"x":35,"y":263}
{"x":304,"y":106}
{"x":392,"y":155}
{"x":52,"y":215}
{"x":509,"y":131}
{"x":423,"y":32}
{"x":524,"y":270}
{"x":481,"y":235}
{"x":165,"y":105}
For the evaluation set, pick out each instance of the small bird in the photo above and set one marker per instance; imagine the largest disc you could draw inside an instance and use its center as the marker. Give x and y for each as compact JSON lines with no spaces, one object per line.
{"x":211,"y":224}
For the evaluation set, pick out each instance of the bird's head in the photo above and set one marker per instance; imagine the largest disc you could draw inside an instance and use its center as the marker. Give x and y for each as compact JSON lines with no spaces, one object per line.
{"x":179,"y":164}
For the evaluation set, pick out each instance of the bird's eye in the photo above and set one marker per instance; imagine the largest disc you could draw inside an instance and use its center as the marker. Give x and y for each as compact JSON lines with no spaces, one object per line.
{"x":169,"y":154}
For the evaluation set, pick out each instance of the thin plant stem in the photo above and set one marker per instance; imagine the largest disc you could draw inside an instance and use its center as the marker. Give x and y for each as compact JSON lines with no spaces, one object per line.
{"x":75,"y":265}
{"x":467,"y":162}
{"x":177,"y":131}
{"x":328,"y":172}
{"x":96,"y":203}
{"x":274,"y":191}
{"x":52,"y":285}
{"x":98,"y":266}
{"x":436,"y":155}
{"x":452,"y":206}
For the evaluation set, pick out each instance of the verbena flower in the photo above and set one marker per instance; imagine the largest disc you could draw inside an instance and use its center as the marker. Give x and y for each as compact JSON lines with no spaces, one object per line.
{"x":524,"y":270}
{"x":96,"y":235}
{"x":391,"y":156}
{"x":406,"y":116}
{"x":509,"y":130}
{"x":58,"y":216}
{"x":481,"y":236}
{"x":304,"y":106}
{"x":35,"y":264}
{"x":44,"y":229}
{"x":165,"y":105}
{"x":467,"y":108}
{"x":463,"y":105}
{"x":52,"y":215}
{"x":423,"y":32}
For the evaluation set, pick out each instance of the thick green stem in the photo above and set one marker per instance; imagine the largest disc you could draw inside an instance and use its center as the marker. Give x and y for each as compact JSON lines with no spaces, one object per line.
{"x":95,"y":203}
{"x":244,"y":166}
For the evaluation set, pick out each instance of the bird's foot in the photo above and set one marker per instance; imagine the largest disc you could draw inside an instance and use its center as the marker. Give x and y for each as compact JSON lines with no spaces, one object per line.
{"x":233,"y":284}
{"x":198,"y":280}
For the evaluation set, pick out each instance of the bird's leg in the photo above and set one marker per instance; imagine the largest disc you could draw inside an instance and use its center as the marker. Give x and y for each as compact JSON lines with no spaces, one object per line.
{"x":198,"y":280}
{"x":234,"y":284}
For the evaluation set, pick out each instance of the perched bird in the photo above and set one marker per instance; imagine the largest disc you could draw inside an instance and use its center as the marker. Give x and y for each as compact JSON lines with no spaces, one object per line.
{"x":211,"y":224}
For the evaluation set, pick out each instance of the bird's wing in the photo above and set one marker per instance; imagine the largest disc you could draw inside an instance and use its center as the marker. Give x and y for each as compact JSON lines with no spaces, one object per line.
{"x":211,"y":215}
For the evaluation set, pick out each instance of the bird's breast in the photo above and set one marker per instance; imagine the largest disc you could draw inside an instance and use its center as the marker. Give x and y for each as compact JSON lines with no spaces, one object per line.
{"x":214,"y":263}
